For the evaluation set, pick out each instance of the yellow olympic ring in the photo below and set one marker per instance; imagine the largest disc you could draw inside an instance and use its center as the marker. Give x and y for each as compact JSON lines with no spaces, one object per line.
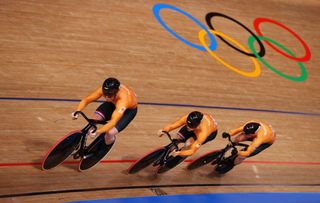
{"x":254,"y":73}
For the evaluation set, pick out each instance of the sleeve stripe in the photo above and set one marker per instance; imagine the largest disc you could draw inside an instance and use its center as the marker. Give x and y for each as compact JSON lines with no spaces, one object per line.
{"x":100,"y":114}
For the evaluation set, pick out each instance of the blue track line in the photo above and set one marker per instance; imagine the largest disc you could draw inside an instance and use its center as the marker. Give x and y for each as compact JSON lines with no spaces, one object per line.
{"x":169,"y":104}
{"x":274,"y":197}
{"x":135,"y":187}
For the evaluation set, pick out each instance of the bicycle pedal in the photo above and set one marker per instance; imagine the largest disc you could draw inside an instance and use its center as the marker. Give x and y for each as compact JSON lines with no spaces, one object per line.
{"x":155,"y":164}
{"x":214,"y":162}
{"x":76,"y":155}
{"x":77,"y":147}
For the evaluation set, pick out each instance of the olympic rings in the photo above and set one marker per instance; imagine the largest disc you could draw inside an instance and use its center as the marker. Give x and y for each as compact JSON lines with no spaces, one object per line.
{"x":254,"y":73}
{"x":301,"y":78}
{"x":256,"y":24}
{"x":213,"y":14}
{"x":238,"y":47}
{"x":158,"y":7}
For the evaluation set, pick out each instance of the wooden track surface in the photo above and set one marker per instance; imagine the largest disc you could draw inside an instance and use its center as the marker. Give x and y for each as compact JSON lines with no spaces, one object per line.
{"x":65,"y":49}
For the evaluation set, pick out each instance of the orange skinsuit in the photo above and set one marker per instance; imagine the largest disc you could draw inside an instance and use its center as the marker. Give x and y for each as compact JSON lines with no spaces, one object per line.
{"x":207,"y":126}
{"x":265,"y":134}
{"x":124,"y":99}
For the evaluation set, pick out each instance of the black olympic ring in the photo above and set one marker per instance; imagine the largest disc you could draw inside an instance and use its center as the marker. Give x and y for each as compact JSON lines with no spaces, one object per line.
{"x":262,"y":51}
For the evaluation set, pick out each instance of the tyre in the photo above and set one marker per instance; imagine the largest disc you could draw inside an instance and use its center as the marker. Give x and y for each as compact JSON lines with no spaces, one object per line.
{"x":61,"y":150}
{"x":205,"y":159}
{"x":171,"y":163}
{"x":146,"y":160}
{"x":97,"y":150}
{"x":225,"y":165}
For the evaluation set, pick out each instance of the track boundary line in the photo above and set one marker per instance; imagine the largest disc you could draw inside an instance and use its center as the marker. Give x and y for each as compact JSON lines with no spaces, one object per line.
{"x":151,"y":186}
{"x":170,"y":104}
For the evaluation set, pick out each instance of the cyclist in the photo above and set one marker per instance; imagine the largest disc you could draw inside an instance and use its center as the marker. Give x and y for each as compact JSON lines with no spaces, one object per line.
{"x":197,"y":129}
{"x":261,"y":134}
{"x":119,"y":108}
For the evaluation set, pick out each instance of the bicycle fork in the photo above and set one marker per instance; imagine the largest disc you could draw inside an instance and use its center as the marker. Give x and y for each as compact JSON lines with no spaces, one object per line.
{"x":80,"y":149}
{"x":163,"y":157}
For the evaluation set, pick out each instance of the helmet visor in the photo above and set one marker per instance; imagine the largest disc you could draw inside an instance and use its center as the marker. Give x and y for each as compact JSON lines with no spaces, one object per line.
{"x":192,"y":125}
{"x":110,"y":92}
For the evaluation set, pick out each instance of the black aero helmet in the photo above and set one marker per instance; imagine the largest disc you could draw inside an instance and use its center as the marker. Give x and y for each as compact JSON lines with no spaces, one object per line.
{"x":251,"y":128}
{"x":110,"y":87}
{"x":194,"y":118}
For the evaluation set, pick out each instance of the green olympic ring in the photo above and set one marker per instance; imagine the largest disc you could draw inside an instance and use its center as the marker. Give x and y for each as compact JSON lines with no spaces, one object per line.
{"x":251,"y":40}
{"x":303,"y":75}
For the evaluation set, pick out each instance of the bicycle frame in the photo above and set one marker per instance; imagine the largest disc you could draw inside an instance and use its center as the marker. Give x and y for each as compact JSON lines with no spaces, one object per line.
{"x":73,"y":144}
{"x":163,"y":158}
{"x":231,"y":145}
{"x":80,"y":151}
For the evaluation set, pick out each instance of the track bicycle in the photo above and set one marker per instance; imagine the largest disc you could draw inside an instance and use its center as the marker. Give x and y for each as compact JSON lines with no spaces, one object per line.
{"x":219,"y":158}
{"x":75,"y":144}
{"x":160,"y":158}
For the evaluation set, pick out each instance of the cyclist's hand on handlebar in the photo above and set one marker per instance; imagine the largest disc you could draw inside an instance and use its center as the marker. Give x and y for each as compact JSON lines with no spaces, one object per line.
{"x":74,"y":115}
{"x":225,"y":135}
{"x":234,"y":151}
{"x":160,"y":133}
{"x":92,"y":133}
{"x":174,"y":153}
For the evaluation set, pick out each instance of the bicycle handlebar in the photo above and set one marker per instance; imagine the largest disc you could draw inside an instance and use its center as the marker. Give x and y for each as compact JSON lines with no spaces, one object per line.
{"x":92,"y":122}
{"x":233,"y":145}
{"x":169,"y":136}
{"x":83,"y":115}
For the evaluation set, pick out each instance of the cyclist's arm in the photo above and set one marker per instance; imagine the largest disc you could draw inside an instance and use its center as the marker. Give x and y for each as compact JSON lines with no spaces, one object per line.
{"x":195,"y":145}
{"x":116,"y":116}
{"x":253,"y":146}
{"x":236,"y":131}
{"x":193,"y":148}
{"x":178,"y":123}
{"x":92,"y":97}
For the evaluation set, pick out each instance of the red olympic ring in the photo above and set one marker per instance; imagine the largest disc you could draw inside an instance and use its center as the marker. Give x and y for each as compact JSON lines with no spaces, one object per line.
{"x":307,"y":56}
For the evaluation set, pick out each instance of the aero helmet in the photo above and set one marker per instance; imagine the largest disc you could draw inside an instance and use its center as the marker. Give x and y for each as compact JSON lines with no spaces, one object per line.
{"x":110,"y":87}
{"x":194,"y":118}
{"x":251,"y":128}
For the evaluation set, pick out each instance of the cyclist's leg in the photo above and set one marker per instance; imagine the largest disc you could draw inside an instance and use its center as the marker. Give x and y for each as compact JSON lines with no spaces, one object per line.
{"x":127,"y":117}
{"x":188,"y":137}
{"x":239,"y":159}
{"x":259,"y":149}
{"x":211,"y":137}
{"x":189,"y":142}
{"x":104,"y":111}
{"x":192,"y":137}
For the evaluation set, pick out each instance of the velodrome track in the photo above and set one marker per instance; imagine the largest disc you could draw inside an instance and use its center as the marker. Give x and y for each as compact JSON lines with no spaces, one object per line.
{"x":55,"y":53}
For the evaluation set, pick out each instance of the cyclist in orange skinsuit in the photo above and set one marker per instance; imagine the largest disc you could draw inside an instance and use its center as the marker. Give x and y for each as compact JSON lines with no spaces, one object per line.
{"x":119,"y":109}
{"x":261,"y":134}
{"x":199,"y":126}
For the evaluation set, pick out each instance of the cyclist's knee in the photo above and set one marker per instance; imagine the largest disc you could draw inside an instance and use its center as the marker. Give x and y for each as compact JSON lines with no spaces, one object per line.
{"x":239,"y":160}
{"x":189,"y":142}
{"x":110,"y":137}
{"x":98,"y":117}
{"x":113,"y":131}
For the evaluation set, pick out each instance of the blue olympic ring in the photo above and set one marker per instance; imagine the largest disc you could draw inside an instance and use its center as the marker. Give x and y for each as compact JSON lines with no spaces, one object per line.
{"x":158,"y":7}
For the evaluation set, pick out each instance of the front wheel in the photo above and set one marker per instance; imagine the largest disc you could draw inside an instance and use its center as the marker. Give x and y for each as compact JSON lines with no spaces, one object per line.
{"x":146,"y":160}
{"x":94,"y":153}
{"x":225,"y":165}
{"x":61,"y":150}
{"x":204,"y":159}
{"x":170,"y":163}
